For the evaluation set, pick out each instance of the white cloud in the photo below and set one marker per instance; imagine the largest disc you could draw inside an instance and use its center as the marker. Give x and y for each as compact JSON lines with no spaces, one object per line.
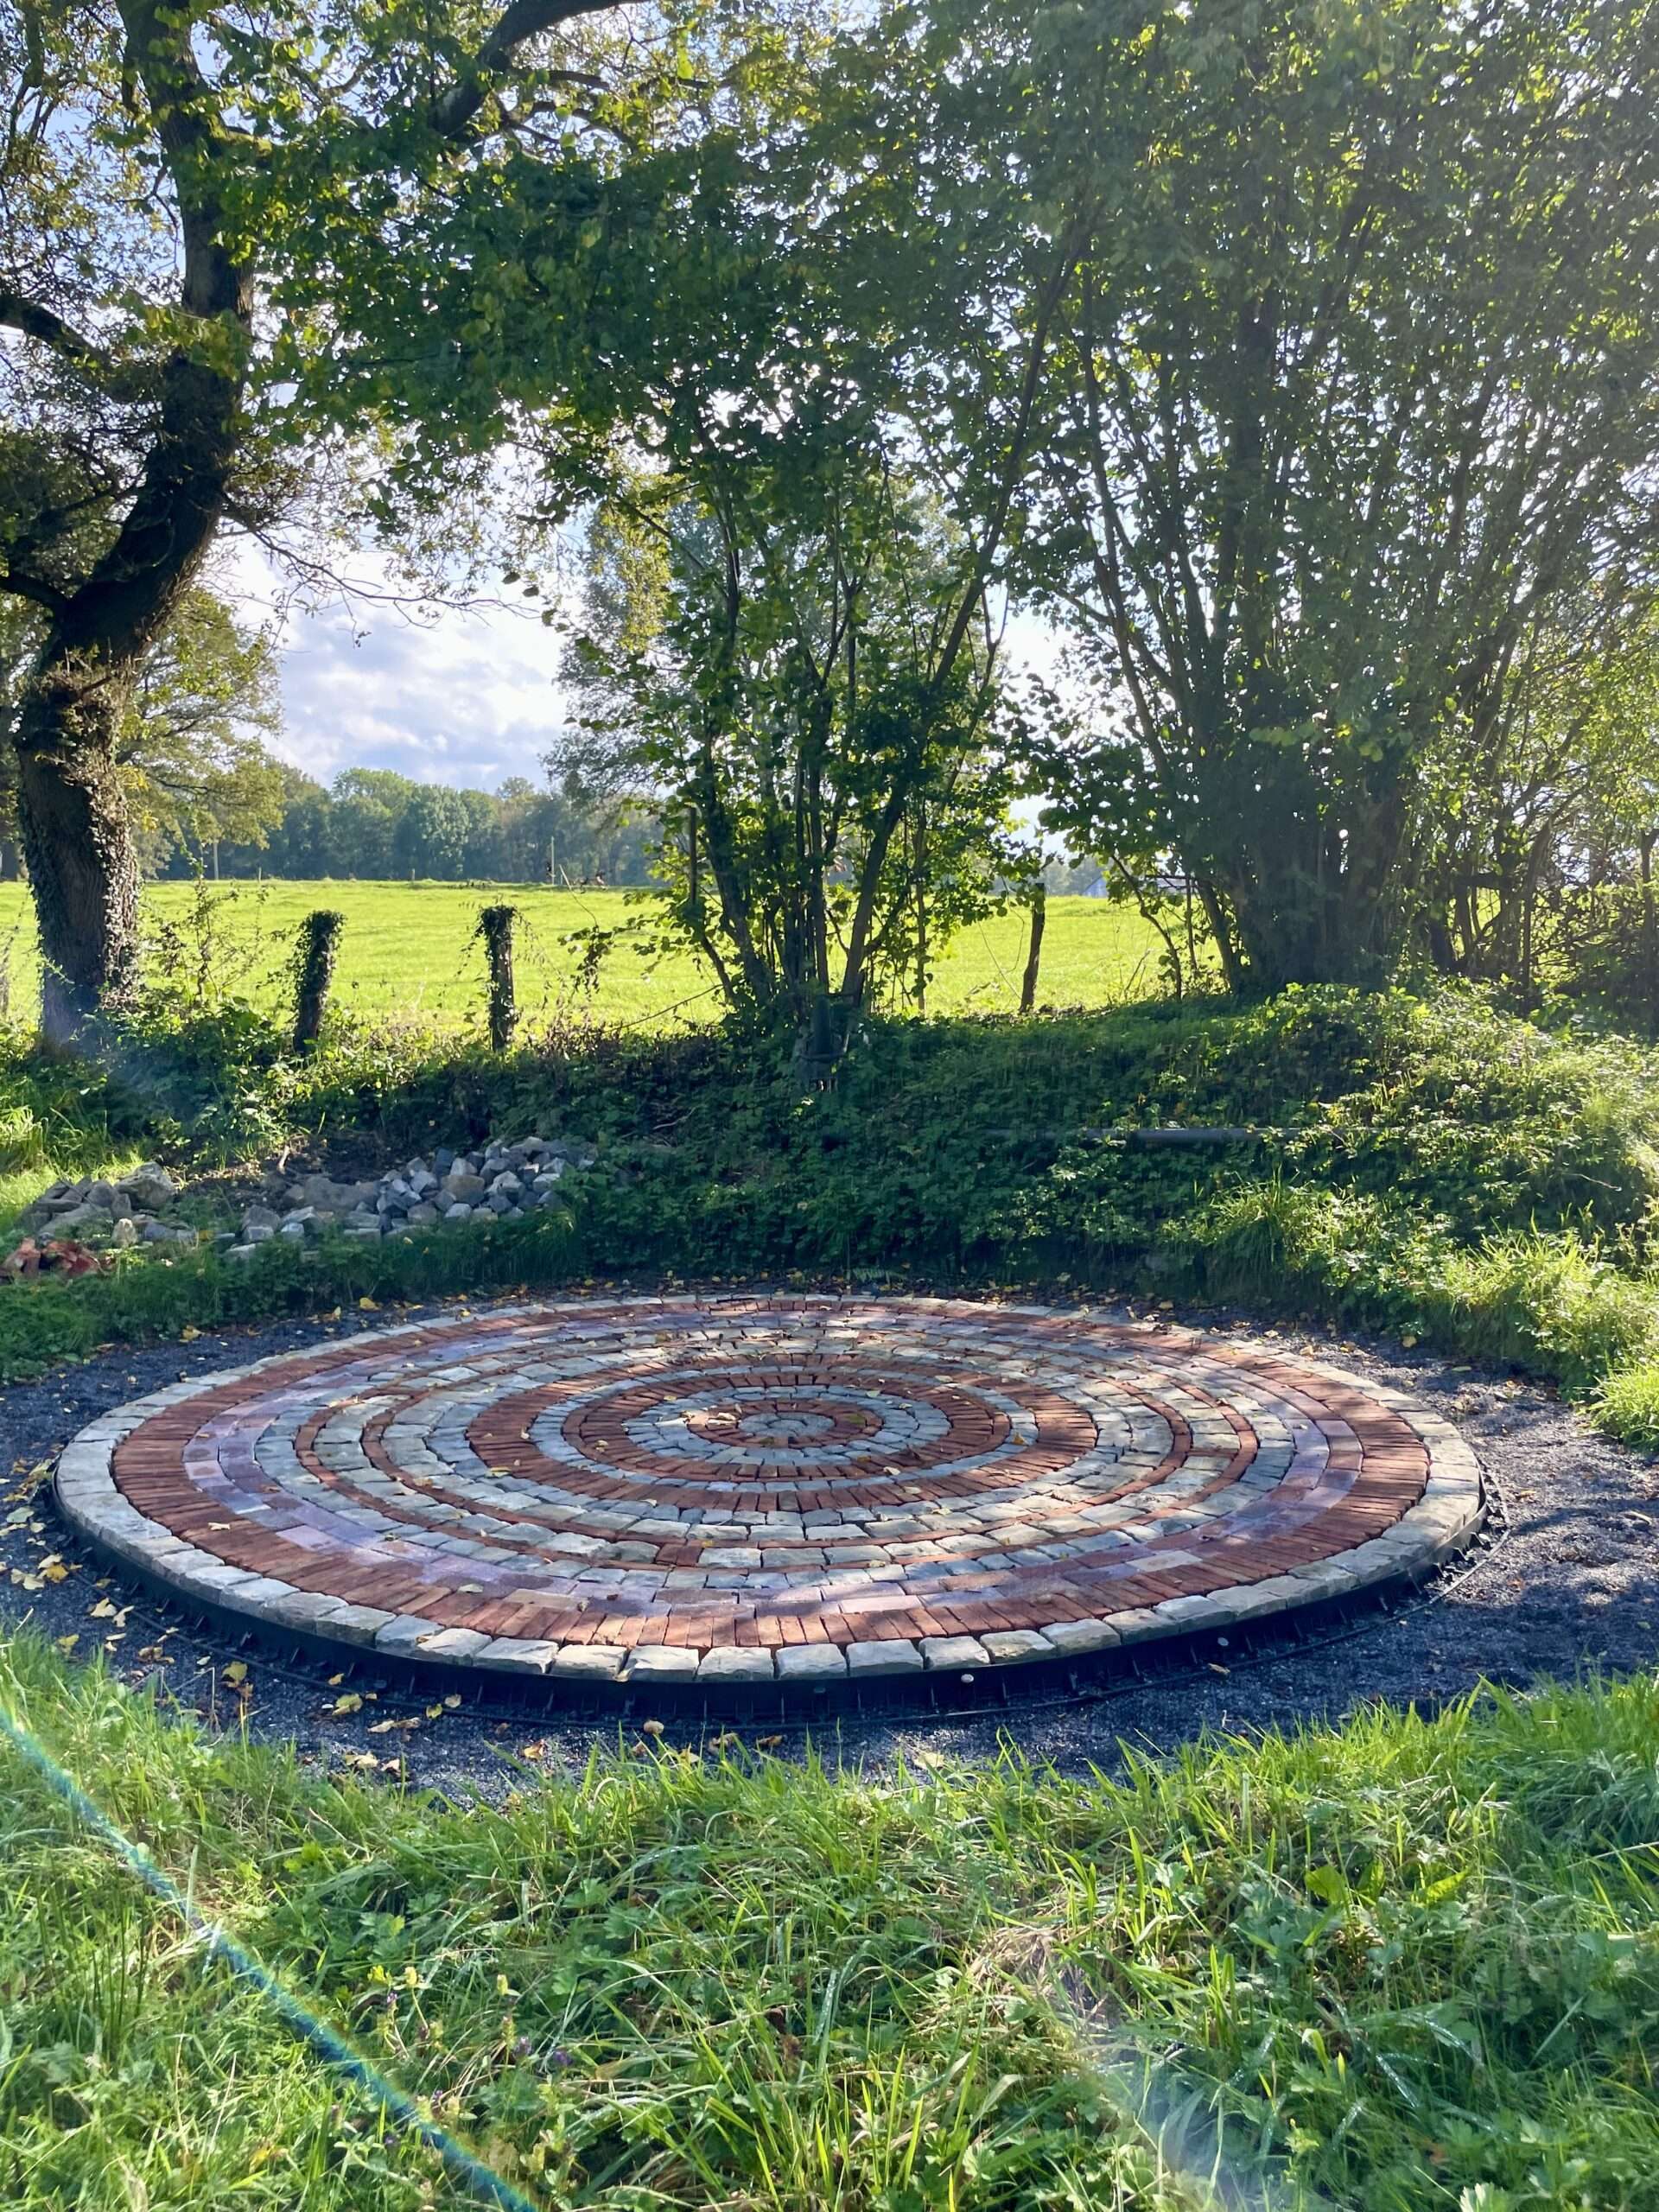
{"x":459,"y":695}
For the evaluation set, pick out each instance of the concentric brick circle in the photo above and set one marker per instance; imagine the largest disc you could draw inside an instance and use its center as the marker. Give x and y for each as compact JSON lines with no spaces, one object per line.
{"x":770,"y":1490}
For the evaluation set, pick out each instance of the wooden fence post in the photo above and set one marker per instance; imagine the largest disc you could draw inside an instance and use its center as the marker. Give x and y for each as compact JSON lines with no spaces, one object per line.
{"x":314,"y":973}
{"x":495,"y":927}
{"x":1034,"y":954}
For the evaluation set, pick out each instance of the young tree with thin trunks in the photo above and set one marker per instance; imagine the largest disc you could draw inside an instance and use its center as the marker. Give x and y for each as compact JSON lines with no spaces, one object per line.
{"x":1359,"y":380}
{"x":794,"y":629}
{"x":211,"y":239}
{"x":770,"y":652}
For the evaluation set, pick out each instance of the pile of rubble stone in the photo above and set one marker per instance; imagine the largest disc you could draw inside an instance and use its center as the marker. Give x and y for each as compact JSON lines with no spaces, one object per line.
{"x":499,"y":1180}
{"x":117,"y":1210}
{"x":504,"y":1181}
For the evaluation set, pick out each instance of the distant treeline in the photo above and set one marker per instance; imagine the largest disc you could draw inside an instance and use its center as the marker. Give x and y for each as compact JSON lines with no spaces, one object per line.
{"x":375,"y":824}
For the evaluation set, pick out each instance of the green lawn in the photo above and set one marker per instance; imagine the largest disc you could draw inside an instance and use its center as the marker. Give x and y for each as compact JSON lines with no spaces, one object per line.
{"x":408,"y":950}
{"x":1409,"y":1967}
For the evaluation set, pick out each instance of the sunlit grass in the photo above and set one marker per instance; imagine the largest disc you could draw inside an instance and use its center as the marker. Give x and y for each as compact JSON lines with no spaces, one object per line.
{"x":408,"y":950}
{"x":1404,"y":1965}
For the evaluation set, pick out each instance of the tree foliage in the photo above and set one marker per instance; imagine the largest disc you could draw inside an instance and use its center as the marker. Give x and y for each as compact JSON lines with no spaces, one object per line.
{"x":1359,"y":391}
{"x":768,"y":654}
{"x":228,"y":227}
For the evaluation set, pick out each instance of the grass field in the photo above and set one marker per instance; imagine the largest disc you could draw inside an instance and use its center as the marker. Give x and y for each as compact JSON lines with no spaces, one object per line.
{"x":408,"y":951}
{"x":1409,"y":1967}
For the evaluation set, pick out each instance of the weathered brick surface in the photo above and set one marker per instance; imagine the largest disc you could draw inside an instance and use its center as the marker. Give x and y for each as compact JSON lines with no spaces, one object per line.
{"x":758,"y":1477}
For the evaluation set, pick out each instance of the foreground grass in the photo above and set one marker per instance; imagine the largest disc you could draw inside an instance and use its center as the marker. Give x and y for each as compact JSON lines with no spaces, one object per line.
{"x":1411,"y":1964}
{"x":408,"y":951}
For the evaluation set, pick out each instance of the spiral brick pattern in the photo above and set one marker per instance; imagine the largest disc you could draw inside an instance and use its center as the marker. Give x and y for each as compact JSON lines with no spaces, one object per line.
{"x":770,"y":1490}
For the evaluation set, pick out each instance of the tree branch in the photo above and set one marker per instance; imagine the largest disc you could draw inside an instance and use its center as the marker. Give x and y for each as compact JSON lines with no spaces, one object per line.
{"x":523,"y":19}
{"x":36,"y":321}
{"x":19,"y":584}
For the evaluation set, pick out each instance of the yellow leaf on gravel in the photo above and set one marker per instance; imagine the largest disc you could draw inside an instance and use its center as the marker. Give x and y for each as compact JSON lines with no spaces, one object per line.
{"x":187,"y":1335}
{"x":452,"y":1703}
{"x":53,"y":1570}
{"x":434,"y":1712}
{"x":67,"y":1642}
{"x":350,"y":1703}
{"x":367,"y":1306}
{"x":236,"y":1672}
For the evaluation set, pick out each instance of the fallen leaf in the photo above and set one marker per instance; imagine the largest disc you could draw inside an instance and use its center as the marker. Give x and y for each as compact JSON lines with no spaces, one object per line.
{"x":350,"y":1703}
{"x":67,"y":1642}
{"x":650,"y":1727}
{"x":187,"y":1335}
{"x":236,"y":1672}
{"x":367,"y":1306}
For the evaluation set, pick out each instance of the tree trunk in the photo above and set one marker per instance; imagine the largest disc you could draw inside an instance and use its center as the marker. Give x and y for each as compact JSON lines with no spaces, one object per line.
{"x":1034,"y":953}
{"x":919,"y":855}
{"x":82,"y":866}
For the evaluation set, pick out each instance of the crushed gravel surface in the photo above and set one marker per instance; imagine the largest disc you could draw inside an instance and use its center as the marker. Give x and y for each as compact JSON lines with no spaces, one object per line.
{"x":1571,"y":1585}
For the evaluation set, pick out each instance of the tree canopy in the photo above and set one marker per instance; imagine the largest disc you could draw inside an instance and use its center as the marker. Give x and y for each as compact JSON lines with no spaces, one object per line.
{"x":1296,"y":362}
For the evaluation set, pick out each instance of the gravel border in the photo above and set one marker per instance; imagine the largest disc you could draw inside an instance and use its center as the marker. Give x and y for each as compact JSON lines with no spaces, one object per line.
{"x":1574,"y":1584}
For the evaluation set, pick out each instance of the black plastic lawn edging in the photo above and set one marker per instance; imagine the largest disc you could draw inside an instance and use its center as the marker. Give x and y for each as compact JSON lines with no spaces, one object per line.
{"x":942,"y":1696}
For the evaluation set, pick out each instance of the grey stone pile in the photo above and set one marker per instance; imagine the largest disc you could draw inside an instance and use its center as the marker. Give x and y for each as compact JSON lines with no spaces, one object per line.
{"x":497,"y":1180}
{"x":500,"y":1181}
{"x":118,"y":1211}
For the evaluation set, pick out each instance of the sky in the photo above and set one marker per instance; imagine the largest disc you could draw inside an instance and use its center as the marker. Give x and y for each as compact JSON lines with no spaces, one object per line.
{"x":461,"y":697}
{"x":458,"y":695}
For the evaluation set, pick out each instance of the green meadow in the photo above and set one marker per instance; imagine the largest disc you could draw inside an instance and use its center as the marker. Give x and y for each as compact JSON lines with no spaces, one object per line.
{"x":410,"y":951}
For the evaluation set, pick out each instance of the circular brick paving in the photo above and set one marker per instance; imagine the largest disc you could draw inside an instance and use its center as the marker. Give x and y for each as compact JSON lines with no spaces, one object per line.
{"x":770,"y":1490}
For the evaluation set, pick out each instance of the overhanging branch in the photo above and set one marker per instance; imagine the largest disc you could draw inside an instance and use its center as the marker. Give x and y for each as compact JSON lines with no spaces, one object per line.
{"x":524,"y":19}
{"x":40,"y":322}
